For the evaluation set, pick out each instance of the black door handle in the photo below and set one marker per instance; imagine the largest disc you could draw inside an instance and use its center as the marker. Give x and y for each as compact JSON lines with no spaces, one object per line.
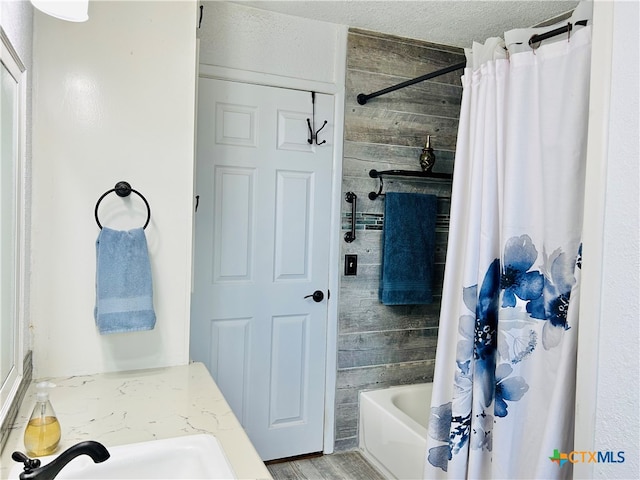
{"x":317,"y":296}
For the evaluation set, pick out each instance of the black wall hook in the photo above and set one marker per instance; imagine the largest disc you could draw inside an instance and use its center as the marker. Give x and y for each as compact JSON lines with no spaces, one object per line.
{"x":311,"y":123}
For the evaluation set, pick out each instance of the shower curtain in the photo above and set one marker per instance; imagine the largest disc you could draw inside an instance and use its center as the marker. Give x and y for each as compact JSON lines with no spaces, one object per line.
{"x":504,"y":381}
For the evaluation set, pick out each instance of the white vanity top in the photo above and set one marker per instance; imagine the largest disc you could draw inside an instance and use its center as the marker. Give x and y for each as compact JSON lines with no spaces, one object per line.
{"x":137,"y":406}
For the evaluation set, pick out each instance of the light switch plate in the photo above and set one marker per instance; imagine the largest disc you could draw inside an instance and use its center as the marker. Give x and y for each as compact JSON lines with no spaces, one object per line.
{"x":351,"y":264}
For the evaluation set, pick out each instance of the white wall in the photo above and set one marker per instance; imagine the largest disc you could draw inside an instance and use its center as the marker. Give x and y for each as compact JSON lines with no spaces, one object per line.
{"x":617,"y":425}
{"x":114,"y":99}
{"x":250,"y":40}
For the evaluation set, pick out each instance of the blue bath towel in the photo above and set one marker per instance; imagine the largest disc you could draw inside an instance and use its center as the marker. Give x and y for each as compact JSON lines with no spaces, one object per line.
{"x":124,"y":290}
{"x":408,"y":247}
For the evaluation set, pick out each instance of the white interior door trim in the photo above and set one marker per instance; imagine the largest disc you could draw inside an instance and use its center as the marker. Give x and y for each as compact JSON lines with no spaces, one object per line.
{"x":334,"y":249}
{"x":266,"y":79}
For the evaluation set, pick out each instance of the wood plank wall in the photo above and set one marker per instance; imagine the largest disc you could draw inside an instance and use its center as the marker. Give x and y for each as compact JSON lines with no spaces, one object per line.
{"x":378,"y":345}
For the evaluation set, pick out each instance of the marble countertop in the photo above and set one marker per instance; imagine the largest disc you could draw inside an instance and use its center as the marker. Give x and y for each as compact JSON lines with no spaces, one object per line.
{"x":137,"y":406}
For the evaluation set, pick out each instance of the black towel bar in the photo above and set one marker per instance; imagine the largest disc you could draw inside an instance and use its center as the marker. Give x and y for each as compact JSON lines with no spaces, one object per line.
{"x":404,"y":173}
{"x":123,"y":189}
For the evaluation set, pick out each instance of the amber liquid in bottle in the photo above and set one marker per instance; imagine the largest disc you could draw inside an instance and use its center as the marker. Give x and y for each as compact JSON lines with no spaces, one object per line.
{"x":42,"y":436}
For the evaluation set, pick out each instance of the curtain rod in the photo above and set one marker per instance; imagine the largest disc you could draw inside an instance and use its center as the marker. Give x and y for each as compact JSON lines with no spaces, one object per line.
{"x":363,"y":98}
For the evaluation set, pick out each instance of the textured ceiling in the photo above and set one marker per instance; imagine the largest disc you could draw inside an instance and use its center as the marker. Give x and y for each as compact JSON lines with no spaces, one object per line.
{"x":448,"y":22}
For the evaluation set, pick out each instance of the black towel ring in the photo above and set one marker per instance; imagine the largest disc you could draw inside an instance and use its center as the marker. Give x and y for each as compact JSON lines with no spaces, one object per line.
{"x":123,"y":189}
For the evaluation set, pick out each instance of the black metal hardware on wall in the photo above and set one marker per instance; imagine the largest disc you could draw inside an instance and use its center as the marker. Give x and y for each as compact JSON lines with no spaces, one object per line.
{"x":311,"y":123}
{"x":362,"y":98}
{"x":123,"y":189}
{"x":351,"y":198}
{"x":403,"y":173}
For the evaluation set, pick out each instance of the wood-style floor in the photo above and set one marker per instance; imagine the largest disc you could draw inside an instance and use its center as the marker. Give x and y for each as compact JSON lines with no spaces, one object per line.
{"x":337,"y":466}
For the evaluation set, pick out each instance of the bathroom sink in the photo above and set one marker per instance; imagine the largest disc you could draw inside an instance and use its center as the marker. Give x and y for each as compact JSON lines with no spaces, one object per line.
{"x":192,"y":456}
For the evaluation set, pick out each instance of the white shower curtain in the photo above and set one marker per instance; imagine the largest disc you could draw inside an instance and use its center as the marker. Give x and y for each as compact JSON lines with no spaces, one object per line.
{"x":504,"y":384}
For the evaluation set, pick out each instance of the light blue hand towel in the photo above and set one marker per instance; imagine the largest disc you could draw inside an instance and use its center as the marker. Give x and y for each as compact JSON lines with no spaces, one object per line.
{"x":124,"y":290}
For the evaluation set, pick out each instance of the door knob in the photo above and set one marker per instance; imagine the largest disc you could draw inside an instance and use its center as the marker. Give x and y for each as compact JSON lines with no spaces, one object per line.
{"x":317,"y":296}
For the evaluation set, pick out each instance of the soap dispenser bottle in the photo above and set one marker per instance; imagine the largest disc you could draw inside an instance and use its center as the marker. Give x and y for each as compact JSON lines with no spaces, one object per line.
{"x":42,"y":435}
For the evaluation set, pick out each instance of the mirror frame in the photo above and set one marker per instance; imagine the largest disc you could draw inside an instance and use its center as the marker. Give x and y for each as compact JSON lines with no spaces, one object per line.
{"x":13,"y":387}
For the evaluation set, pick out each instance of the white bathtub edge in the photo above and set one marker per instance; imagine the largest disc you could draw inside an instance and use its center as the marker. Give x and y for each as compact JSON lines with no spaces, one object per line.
{"x":392,"y":441}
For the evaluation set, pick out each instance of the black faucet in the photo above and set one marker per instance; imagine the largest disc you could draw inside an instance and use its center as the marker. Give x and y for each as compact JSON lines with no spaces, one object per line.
{"x":33,"y":470}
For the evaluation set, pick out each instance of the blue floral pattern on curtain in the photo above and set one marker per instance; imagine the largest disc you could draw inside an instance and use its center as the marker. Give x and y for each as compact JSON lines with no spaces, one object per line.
{"x":504,"y":381}
{"x":488,"y":346}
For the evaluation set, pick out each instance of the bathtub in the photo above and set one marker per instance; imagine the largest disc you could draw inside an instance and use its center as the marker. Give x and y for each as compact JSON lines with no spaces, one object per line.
{"x":393,"y":429}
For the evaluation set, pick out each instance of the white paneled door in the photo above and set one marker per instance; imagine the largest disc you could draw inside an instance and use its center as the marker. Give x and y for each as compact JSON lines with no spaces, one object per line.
{"x":261,"y":251}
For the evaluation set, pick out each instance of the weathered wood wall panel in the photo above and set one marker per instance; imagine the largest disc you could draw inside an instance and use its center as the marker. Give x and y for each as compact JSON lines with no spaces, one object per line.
{"x":378,"y":345}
